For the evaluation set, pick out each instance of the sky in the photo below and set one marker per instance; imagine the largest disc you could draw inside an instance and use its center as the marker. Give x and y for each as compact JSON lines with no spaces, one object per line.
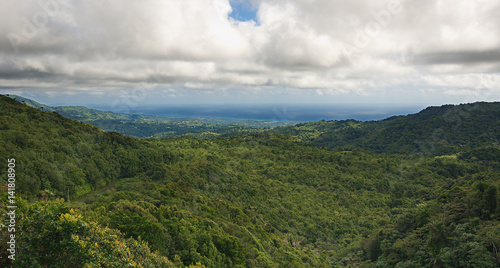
{"x":152,"y":52}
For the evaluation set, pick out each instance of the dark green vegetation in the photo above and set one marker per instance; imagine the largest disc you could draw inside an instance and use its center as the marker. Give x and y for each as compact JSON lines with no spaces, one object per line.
{"x":260,"y":200}
{"x":434,"y":131}
{"x":52,"y":235}
{"x":144,"y":126}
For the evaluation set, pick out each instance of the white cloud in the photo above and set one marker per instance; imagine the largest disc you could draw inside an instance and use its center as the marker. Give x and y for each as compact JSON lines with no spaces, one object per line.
{"x":328,"y":46}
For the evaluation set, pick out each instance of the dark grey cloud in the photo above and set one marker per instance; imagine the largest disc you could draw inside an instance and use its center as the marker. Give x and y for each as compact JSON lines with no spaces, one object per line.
{"x":26,"y":74}
{"x":460,"y":57}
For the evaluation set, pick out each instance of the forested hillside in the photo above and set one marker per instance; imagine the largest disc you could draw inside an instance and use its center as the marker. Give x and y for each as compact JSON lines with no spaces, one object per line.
{"x":260,"y":200}
{"x":157,"y":126}
{"x":433,"y":131}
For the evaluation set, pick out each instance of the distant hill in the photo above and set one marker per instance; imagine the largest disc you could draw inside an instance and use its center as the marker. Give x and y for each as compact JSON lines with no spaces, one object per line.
{"x":433,"y":131}
{"x":440,"y":130}
{"x":31,"y":103}
{"x":158,"y":126}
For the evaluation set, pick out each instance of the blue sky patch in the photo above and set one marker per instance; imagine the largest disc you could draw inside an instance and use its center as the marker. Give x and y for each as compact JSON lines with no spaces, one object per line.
{"x":243,"y":10}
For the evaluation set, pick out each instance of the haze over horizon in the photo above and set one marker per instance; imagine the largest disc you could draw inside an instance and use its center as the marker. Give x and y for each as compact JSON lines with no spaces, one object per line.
{"x":105,"y":53}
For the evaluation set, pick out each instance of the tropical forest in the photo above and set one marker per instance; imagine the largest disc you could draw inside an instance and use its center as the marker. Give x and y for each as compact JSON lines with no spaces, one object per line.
{"x":103,"y":189}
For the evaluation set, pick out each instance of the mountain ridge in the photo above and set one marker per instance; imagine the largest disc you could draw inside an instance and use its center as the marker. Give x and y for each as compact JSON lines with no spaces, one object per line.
{"x":158,"y":126}
{"x":433,"y":131}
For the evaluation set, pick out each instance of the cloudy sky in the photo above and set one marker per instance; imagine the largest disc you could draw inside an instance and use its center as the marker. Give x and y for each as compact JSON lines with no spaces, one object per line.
{"x":109,"y":52}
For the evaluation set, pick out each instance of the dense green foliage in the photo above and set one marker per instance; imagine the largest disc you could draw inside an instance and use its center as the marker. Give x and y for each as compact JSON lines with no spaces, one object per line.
{"x":458,"y":229}
{"x":52,"y":235}
{"x":260,"y":200}
{"x":433,"y":131}
{"x":60,"y":155}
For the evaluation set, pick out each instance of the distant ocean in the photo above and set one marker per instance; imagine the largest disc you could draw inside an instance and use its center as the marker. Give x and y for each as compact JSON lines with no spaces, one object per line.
{"x":277,"y":112}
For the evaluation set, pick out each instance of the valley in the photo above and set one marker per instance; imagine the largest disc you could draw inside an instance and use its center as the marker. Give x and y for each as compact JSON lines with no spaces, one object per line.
{"x":318,"y":194}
